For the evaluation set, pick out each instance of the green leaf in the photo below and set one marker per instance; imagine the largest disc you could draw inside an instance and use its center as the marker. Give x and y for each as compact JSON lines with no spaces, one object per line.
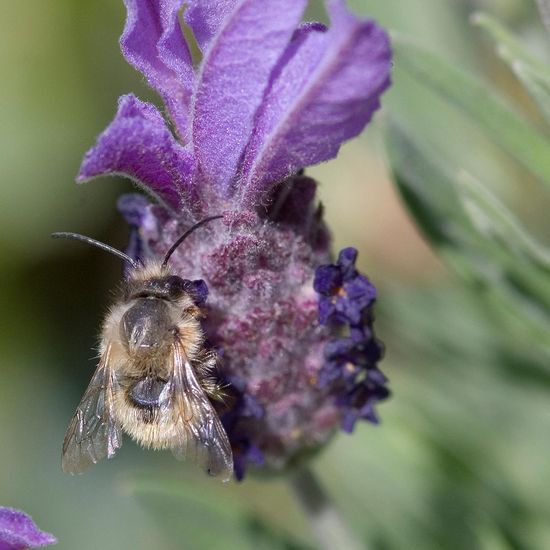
{"x":427,"y":189}
{"x":534,"y":74}
{"x":474,"y":233}
{"x":524,"y":263}
{"x":506,"y":127}
{"x":498,"y":224}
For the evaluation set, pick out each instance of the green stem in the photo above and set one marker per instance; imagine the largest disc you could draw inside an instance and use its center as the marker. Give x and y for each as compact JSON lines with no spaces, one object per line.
{"x":328,"y":527}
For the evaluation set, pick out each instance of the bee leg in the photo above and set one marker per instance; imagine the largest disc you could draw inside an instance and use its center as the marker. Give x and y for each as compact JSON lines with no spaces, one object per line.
{"x":214,"y":389}
{"x":205,"y":365}
{"x":195,"y":312}
{"x":206,"y":362}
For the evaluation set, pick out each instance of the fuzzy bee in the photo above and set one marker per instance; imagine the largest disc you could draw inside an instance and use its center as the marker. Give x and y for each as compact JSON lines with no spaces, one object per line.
{"x":154,"y":379}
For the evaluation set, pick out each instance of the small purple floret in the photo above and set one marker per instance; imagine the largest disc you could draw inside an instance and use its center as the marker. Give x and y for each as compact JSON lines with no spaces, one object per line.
{"x":345,"y":294}
{"x":346,"y":300}
{"x":246,"y":409}
{"x":18,"y":531}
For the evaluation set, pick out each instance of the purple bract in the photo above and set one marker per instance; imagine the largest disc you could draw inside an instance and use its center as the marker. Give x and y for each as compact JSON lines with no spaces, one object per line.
{"x":18,"y":531}
{"x":271,"y":95}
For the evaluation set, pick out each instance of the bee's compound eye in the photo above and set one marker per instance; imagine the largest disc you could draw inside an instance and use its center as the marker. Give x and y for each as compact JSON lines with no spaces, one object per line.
{"x":175,"y":286}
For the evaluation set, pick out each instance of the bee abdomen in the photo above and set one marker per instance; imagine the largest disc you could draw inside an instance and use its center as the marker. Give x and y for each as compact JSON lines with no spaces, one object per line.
{"x":148,"y":393}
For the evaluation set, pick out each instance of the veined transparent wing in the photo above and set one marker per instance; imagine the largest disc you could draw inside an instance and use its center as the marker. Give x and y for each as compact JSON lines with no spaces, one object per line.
{"x":93,"y":432}
{"x":201,"y":436}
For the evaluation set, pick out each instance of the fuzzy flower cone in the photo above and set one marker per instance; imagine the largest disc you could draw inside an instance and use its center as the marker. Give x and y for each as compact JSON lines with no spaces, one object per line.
{"x":18,"y":531}
{"x":270,"y":96}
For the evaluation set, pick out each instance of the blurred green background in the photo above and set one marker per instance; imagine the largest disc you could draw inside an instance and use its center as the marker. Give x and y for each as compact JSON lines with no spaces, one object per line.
{"x":461,"y":458}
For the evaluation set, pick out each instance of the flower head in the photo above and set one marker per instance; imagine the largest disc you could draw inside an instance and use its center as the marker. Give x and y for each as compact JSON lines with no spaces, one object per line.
{"x":18,"y":531}
{"x":270,"y":96}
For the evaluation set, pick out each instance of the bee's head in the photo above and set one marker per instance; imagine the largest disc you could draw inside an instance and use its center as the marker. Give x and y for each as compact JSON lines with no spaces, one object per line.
{"x":153,"y":281}
{"x":169,"y":287}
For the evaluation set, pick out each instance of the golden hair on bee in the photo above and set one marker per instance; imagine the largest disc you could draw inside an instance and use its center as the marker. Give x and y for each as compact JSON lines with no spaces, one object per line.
{"x":155,"y":379}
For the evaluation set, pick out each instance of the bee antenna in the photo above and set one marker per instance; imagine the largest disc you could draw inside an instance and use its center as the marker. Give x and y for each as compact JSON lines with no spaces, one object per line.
{"x":185,"y":235}
{"x":93,"y":242}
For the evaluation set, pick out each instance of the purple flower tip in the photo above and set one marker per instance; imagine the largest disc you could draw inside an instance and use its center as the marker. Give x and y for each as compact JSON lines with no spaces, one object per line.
{"x":346,"y":260}
{"x":18,"y":531}
{"x":271,"y":96}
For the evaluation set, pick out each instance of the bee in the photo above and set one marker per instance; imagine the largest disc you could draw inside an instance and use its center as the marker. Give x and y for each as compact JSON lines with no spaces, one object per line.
{"x":154,"y":379}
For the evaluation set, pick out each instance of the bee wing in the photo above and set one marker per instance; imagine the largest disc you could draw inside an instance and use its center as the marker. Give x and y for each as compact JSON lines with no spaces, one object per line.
{"x":93,"y":432}
{"x":201,"y":435}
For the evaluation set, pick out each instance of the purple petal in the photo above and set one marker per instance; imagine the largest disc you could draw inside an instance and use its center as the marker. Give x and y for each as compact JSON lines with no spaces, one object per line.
{"x":359,"y":294}
{"x":205,"y":17}
{"x":328,"y":278}
{"x":138,"y":212}
{"x":137,"y":144}
{"x":339,"y":347}
{"x":199,"y":291}
{"x":251,"y":407}
{"x":134,"y":208}
{"x":346,"y":259}
{"x":349,"y":419}
{"x":326,"y":89}
{"x":376,"y":377}
{"x":18,"y":531}
{"x":153,"y":43}
{"x":233,"y":77}
{"x":326,"y":311}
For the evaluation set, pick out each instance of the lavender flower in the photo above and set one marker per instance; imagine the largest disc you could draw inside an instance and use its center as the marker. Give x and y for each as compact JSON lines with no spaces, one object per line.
{"x":270,"y":96}
{"x":18,"y":531}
